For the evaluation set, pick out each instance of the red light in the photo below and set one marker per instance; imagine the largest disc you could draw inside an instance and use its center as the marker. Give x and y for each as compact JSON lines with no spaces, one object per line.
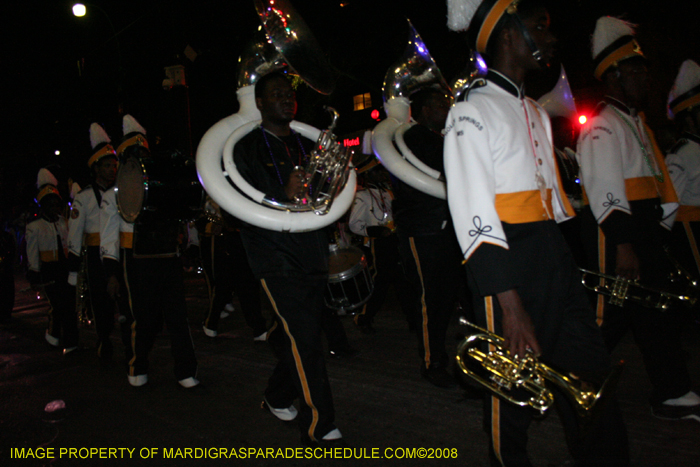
{"x":582,"y":119}
{"x":375,"y":114}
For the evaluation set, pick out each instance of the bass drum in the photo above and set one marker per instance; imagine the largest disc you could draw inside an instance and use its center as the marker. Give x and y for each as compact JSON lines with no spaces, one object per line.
{"x":349,"y":282}
{"x":159,"y":188}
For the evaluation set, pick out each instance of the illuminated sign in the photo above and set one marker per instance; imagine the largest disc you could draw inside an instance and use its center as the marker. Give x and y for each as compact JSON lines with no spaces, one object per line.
{"x":347,"y":142}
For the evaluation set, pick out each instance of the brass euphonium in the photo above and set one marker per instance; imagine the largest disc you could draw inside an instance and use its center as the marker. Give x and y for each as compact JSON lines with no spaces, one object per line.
{"x":618,"y":290}
{"x":506,"y":372}
{"x":327,"y":170}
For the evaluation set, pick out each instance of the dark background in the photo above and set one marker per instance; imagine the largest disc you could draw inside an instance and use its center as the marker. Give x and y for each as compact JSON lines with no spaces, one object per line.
{"x":61,"y":72}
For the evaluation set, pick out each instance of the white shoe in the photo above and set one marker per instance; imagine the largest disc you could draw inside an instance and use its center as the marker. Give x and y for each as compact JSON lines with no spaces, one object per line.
{"x":138,"y":380}
{"x":224,"y":314}
{"x":188,"y":383}
{"x":261,"y":338}
{"x":50,"y":339}
{"x":229,"y":307}
{"x":333,"y":434}
{"x":210,"y":332}
{"x":286,"y":415}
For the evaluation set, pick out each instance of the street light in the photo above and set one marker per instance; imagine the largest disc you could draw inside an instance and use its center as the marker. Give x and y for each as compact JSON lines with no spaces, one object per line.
{"x":79,"y":10}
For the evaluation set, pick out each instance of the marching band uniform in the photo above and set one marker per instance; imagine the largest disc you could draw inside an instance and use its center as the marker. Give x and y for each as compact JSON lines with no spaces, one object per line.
{"x":293,"y":271}
{"x":84,"y":231}
{"x":48,"y":267}
{"x":228,"y":271}
{"x":683,"y":162}
{"x":630,"y":201}
{"x":505,"y":196}
{"x":430,"y":254}
{"x":146,"y":255}
{"x":371,"y":218}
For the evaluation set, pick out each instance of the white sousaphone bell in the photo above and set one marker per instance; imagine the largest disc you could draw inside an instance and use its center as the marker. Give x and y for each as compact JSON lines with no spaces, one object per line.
{"x":414,"y":71}
{"x":559,"y":102}
{"x":287,"y":43}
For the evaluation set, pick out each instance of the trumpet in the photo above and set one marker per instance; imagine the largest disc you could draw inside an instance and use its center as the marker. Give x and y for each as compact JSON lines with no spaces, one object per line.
{"x":681,"y":277}
{"x":506,"y":372}
{"x":618,"y":290}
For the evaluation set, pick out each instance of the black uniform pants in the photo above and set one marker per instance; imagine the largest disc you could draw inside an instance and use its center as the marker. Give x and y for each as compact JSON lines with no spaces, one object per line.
{"x":156,"y":296}
{"x":226,"y":264}
{"x":550,"y":289}
{"x":432,"y":266}
{"x":654,"y":332}
{"x":63,"y":319}
{"x":103,"y":307}
{"x":296,"y":339}
{"x":387,"y":271}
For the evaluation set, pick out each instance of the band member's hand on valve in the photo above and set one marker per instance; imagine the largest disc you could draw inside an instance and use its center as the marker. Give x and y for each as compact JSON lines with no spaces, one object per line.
{"x":518,"y":331}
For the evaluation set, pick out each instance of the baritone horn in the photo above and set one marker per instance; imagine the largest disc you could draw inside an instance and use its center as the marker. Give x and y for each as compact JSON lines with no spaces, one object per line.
{"x":618,"y":290}
{"x":503,"y":372}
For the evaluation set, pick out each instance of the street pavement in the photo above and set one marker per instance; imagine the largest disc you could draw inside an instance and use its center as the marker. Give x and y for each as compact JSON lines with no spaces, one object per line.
{"x":388,"y":414}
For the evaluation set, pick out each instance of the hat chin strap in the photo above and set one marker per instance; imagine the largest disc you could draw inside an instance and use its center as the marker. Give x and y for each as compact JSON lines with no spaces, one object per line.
{"x":536,"y":52}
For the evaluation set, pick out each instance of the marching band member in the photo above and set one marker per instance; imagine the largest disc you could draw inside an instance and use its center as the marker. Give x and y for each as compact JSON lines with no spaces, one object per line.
{"x":48,"y":266}
{"x":683,"y":162}
{"x":292,"y":267}
{"x":228,"y":271}
{"x":429,"y":248}
{"x":505,"y":197}
{"x":629,"y":189}
{"x":84,"y":230}
{"x":371,"y":219}
{"x":145,"y":255}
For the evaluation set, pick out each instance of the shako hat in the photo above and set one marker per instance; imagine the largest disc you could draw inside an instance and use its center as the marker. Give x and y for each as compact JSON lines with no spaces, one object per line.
{"x":47,"y":184}
{"x":100,"y":143}
{"x":134,"y":134}
{"x":613,"y":41}
{"x":685,"y":93}
{"x":481,"y":17}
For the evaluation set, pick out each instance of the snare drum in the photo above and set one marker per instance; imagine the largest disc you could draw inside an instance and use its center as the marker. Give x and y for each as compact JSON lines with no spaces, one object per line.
{"x":159,"y":188}
{"x":349,"y":281}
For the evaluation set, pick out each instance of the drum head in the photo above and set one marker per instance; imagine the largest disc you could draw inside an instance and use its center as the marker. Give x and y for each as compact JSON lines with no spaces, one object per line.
{"x":344,"y":263}
{"x":131,"y":192}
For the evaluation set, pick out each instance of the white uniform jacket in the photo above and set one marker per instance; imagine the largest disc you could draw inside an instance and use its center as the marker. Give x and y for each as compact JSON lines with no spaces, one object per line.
{"x":84,"y":221}
{"x":42,"y":242}
{"x":115,"y":232}
{"x":620,"y":162}
{"x":683,"y":162}
{"x":371,"y":208}
{"x":496,"y":144}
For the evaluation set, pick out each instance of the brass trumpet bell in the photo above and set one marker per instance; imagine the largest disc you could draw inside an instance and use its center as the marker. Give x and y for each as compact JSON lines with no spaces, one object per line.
{"x":502,"y":373}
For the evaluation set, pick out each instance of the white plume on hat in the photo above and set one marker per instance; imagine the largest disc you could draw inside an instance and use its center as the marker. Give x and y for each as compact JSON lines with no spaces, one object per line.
{"x":130,"y":125}
{"x":687,"y":79}
{"x":460,"y":13}
{"x":607,"y":31}
{"x":98,"y":135}
{"x":45,"y":177}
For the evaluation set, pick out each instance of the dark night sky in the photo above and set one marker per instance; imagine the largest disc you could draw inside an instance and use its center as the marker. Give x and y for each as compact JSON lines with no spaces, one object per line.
{"x":49,"y":101}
